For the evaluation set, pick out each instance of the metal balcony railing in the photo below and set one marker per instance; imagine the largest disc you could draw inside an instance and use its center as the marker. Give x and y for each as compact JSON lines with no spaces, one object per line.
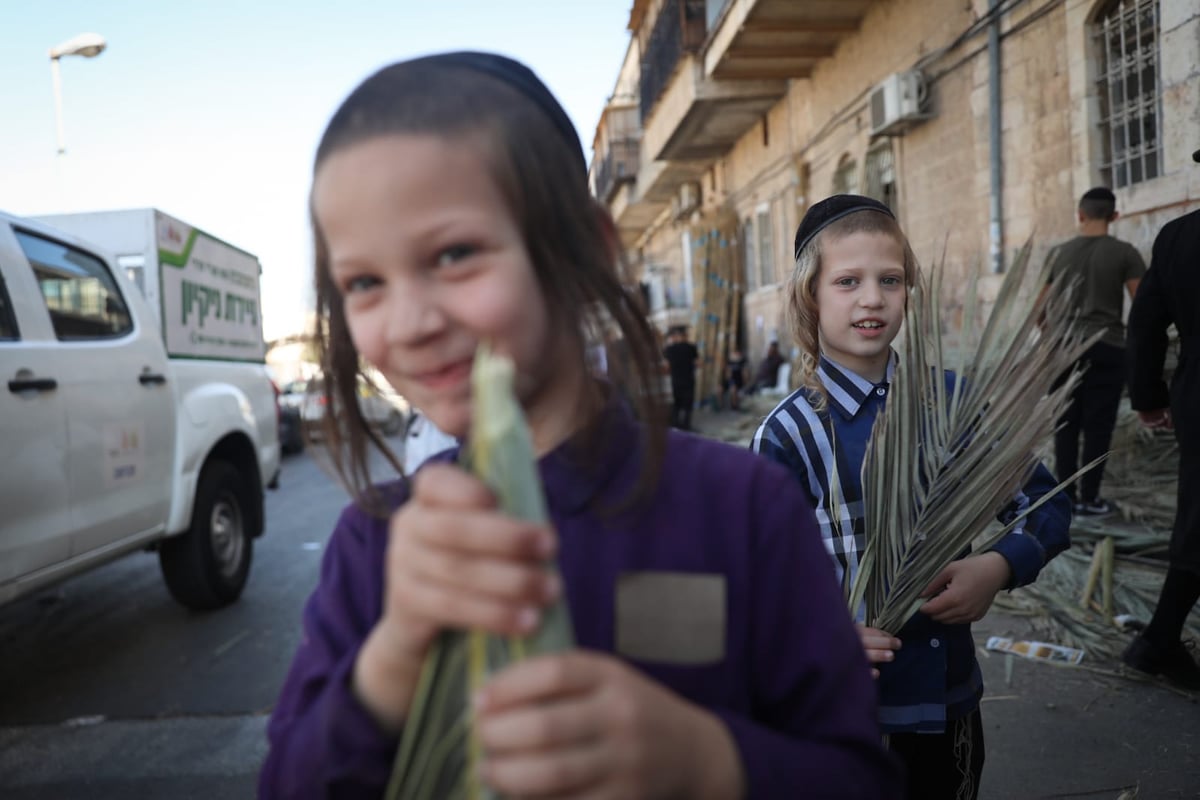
{"x":678,"y":29}
{"x":618,"y":165}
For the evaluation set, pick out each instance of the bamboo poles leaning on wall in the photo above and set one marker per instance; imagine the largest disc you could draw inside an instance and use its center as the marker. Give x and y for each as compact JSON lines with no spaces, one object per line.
{"x":716,"y":300}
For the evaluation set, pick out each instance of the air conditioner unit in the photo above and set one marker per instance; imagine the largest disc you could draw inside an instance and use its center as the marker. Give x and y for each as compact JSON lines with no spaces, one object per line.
{"x":687,"y":199}
{"x":897,"y":103}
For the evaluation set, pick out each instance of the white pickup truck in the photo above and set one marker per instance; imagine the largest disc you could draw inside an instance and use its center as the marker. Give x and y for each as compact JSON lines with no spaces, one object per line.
{"x":127,"y":424}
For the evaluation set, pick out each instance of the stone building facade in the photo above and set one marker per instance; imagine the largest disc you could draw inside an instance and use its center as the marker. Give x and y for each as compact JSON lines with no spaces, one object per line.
{"x":980,"y":122}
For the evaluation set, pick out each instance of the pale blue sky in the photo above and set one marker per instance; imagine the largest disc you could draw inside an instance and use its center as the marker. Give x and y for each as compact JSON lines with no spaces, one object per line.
{"x":211,"y":110}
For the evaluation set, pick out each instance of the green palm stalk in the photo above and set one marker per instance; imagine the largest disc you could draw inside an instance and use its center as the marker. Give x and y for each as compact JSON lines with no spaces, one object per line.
{"x":438,"y":756}
{"x":943,"y":460}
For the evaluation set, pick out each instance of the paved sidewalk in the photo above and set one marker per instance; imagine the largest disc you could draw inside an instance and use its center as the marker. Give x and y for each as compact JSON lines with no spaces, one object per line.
{"x":1091,"y":731}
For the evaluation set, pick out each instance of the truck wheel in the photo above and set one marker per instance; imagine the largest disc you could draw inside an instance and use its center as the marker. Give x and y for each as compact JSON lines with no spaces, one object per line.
{"x":206,"y":567}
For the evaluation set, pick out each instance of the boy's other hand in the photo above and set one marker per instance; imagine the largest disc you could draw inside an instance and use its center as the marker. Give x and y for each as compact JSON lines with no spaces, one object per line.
{"x":880,"y":646}
{"x":1157,"y":419}
{"x":965,"y":589}
{"x":584,"y":725}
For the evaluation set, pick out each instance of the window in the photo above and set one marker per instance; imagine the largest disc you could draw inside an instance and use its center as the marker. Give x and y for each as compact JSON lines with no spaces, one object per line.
{"x":79,"y":291}
{"x":134,"y":267}
{"x":8,"y":324}
{"x":766,"y":247}
{"x":845,"y":178}
{"x":1126,"y":35}
{"x":748,"y":259}
{"x":881,"y":173}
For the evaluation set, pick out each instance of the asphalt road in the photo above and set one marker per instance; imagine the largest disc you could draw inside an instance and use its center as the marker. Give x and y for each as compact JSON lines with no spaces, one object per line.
{"x":109,"y":689}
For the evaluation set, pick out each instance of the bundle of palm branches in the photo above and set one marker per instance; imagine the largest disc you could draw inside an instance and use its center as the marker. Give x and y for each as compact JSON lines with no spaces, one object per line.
{"x":950,"y":451}
{"x":438,"y":756}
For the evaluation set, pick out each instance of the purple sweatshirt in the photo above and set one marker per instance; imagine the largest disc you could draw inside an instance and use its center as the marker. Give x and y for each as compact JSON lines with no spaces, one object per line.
{"x":718,"y":587}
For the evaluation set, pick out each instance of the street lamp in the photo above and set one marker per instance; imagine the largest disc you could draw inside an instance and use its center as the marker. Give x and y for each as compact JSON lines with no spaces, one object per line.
{"x":88,"y":45}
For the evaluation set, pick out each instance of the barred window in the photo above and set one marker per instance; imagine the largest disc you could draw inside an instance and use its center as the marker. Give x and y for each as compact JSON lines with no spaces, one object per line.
{"x":1126,"y":34}
{"x":881,"y":173}
{"x":845,"y":179}
{"x":748,"y":253}
{"x":766,"y":247}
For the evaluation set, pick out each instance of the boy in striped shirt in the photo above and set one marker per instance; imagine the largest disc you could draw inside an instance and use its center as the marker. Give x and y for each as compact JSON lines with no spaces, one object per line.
{"x":847,"y":298}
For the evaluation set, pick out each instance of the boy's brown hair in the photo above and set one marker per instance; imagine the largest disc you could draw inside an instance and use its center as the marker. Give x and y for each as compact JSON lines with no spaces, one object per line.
{"x":502,"y":109}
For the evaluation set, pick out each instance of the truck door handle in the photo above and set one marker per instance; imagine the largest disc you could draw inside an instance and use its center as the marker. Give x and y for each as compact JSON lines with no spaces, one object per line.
{"x":32,"y":385}
{"x":151,"y":379}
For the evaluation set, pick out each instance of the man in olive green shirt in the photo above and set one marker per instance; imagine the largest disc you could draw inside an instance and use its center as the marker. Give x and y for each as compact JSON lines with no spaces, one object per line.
{"x":1097,"y":268}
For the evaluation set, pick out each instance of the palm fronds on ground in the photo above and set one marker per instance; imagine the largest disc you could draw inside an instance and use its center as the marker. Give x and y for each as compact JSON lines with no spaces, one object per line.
{"x":1060,"y":613}
{"x":437,"y":758}
{"x":946,"y":456}
{"x":1140,"y":477}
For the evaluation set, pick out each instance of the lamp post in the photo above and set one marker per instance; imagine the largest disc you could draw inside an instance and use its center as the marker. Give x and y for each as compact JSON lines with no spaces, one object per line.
{"x":88,"y":45}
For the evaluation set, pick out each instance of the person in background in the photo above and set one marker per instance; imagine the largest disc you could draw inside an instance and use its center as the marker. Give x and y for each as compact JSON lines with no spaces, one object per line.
{"x":1170,"y":294}
{"x":422,"y":441}
{"x":714,"y":654}
{"x":735,"y":379}
{"x":1099,"y":269}
{"x":768,"y":370}
{"x":681,"y":355}
{"x":848,"y":295}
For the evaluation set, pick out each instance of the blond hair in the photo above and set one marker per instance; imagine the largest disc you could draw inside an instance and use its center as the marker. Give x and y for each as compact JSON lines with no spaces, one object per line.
{"x":803,"y":312}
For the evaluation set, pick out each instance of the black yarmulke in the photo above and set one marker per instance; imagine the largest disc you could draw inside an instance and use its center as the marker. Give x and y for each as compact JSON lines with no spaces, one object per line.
{"x":521,"y":78}
{"x":831,"y":209}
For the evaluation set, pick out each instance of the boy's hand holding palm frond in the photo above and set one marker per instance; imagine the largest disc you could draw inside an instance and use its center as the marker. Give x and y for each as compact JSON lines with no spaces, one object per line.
{"x":509,"y":707}
{"x":470,"y":588}
{"x":453,"y":561}
{"x":963,"y":592}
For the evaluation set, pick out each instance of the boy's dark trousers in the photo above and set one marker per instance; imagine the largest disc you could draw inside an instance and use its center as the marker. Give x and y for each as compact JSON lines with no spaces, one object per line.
{"x":1092,"y":412}
{"x":683,"y":396}
{"x":943,"y":766}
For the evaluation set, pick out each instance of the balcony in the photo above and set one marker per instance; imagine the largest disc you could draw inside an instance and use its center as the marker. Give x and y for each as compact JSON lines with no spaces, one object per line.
{"x":687,"y":116}
{"x":700,"y":119}
{"x":779,"y":39}
{"x":678,"y":30}
{"x":618,"y":164}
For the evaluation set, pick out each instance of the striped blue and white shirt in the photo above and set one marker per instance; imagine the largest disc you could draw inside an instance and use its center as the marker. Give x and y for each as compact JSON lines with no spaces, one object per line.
{"x":935,"y":675}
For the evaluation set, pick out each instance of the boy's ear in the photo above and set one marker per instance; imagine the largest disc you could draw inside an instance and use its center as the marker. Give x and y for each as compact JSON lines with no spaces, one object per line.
{"x":1114,"y":217}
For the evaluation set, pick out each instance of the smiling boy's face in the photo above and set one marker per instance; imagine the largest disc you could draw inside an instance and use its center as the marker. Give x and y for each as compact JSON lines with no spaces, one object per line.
{"x":430,"y":263}
{"x":861,"y":296}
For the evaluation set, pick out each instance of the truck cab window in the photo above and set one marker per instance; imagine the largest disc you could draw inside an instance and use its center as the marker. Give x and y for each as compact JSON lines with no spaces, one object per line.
{"x":8,"y":324}
{"x":80,"y":293}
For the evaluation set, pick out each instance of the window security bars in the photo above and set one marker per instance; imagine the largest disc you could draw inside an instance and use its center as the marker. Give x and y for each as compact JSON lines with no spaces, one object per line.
{"x":1126,"y":38}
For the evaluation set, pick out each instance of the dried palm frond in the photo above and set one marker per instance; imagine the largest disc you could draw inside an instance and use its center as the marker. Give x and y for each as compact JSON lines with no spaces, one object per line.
{"x":948,"y":454}
{"x":438,"y":757}
{"x":1052,"y":604}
